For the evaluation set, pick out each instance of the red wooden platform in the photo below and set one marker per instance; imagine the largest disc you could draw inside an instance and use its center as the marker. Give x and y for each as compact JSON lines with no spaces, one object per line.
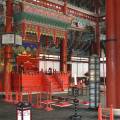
{"x":33,"y":81}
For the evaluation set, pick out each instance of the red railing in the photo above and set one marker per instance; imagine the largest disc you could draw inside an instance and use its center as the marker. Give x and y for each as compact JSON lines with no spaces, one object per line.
{"x":46,"y":4}
{"x":48,"y":82}
{"x":81,"y":14}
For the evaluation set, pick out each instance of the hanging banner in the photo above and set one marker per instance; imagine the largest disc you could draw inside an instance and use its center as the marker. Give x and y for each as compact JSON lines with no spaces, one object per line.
{"x":30,"y":32}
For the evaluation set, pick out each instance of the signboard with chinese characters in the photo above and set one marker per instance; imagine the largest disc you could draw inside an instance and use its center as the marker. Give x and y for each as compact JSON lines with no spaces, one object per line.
{"x":18,"y":40}
{"x":11,"y":39}
{"x":8,"y":39}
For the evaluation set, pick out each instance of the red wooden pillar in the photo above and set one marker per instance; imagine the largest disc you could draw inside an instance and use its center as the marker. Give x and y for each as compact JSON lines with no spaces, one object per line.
{"x":117,"y":54}
{"x":63,"y":54}
{"x":7,"y":68}
{"x":9,"y":14}
{"x":38,"y":29}
{"x":38,"y":39}
{"x":8,"y":48}
{"x":110,"y":54}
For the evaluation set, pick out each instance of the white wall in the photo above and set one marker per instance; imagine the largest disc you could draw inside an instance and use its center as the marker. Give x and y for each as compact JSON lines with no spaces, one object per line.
{"x":78,"y":68}
{"x":102,"y":69}
{"x":45,"y":65}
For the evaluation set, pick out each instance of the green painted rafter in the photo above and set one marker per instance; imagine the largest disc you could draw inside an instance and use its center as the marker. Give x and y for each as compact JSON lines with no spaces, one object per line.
{"x":41,"y":19}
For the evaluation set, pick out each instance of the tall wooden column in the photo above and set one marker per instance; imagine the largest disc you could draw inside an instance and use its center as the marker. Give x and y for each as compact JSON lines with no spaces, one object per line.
{"x":117,"y":54}
{"x":38,"y":39}
{"x":63,"y":54}
{"x":8,"y":48}
{"x":111,"y":65}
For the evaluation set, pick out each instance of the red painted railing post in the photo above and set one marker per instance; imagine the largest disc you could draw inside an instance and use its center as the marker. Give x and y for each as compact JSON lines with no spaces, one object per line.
{"x":111,"y":113}
{"x":99,"y":112}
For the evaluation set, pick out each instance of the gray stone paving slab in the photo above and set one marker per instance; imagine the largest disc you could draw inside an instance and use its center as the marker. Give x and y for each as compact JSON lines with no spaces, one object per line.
{"x":8,"y":112}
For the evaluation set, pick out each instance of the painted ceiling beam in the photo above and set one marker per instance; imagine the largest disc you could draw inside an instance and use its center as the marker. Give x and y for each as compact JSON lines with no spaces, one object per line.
{"x":71,"y":10}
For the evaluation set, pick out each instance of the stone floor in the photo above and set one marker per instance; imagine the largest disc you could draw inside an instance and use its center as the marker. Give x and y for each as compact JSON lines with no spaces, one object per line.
{"x":8,"y":112}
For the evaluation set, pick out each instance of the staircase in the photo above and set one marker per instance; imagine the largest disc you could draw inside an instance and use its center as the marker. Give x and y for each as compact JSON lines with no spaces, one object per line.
{"x":56,"y":84}
{"x":59,"y":81}
{"x":46,"y":83}
{"x":52,"y":83}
